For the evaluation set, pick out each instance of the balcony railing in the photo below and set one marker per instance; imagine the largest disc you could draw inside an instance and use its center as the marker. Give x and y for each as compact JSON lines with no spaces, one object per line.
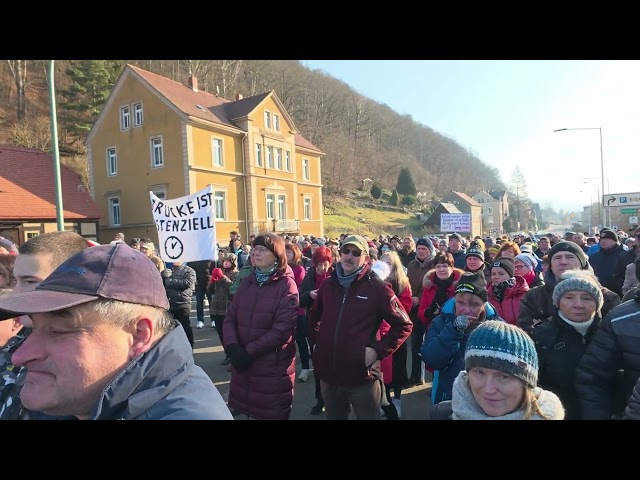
{"x":291,"y":226}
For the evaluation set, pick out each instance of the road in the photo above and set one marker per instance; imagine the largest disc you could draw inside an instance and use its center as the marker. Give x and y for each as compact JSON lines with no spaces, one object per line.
{"x":208,"y":353}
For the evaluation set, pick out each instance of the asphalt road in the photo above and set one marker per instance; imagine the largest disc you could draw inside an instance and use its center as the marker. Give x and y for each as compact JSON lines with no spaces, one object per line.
{"x":208,"y":354}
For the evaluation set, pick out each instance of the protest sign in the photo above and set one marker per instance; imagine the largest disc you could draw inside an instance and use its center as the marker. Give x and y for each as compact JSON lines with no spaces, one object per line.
{"x":186,"y":226}
{"x":455,"y":222}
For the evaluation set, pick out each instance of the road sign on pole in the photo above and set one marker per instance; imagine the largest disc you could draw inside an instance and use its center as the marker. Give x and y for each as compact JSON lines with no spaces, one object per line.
{"x":621,"y":199}
{"x":629,"y":210}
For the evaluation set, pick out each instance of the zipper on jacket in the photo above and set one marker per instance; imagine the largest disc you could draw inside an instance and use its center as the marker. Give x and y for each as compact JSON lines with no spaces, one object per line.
{"x":335,"y":335}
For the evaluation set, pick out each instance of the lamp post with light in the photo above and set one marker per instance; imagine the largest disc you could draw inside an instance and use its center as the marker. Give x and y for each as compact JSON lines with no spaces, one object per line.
{"x":602,"y":209}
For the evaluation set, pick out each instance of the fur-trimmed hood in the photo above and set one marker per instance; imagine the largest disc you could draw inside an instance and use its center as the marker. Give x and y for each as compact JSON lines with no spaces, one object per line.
{"x":429,"y":277}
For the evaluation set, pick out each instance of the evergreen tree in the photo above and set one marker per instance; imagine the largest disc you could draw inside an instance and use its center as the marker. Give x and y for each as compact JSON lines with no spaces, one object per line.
{"x":91,"y":83}
{"x":405,"y":184}
{"x":394,"y":198}
{"x":376,"y":191}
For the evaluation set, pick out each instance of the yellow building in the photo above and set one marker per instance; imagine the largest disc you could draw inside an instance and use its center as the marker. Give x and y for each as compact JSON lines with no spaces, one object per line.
{"x":155,"y":134}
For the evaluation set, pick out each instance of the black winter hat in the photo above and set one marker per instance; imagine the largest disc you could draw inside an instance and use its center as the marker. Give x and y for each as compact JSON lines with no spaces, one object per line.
{"x":425,"y":242}
{"x":473,"y":283}
{"x":608,"y":233}
{"x":507,"y":263}
{"x":565,"y":246}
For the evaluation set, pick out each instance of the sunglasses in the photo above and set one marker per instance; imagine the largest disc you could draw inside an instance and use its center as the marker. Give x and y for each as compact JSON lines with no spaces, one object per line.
{"x":347,"y":251}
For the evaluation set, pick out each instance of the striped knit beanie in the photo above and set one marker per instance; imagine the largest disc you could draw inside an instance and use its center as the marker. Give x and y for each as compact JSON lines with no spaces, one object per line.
{"x":504,"y":347}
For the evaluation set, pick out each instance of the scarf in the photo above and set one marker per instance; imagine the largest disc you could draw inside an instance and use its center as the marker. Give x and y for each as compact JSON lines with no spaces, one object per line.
{"x":499,"y":289}
{"x":465,"y":407}
{"x":346,"y":280}
{"x":320,"y":279}
{"x":442,"y":295}
{"x":581,"y":327}
{"x":262,"y":277}
{"x":529,"y":277}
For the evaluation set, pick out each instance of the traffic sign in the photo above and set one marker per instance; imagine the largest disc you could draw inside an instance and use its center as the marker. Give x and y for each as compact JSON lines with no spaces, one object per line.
{"x":629,"y":210}
{"x":633,"y":220}
{"x":621,"y":199}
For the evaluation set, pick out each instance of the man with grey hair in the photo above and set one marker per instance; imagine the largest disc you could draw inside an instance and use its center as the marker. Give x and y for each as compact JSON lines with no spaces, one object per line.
{"x":103,"y":348}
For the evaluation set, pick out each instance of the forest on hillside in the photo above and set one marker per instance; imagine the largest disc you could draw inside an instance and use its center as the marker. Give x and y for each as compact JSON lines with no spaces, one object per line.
{"x":361,"y":137}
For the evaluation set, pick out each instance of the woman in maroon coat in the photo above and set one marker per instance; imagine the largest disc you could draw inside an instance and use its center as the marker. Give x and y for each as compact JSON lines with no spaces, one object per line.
{"x":259,"y":333}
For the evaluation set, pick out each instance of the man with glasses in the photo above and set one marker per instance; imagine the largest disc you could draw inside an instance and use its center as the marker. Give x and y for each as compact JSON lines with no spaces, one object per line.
{"x":343,"y":321}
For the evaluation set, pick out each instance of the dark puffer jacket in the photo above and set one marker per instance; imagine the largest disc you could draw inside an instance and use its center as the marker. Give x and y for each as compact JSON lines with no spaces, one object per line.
{"x":611,"y":364}
{"x":263,"y":320}
{"x":632,"y":412}
{"x":560,"y":347}
{"x":179,"y":282}
{"x":537,"y":304}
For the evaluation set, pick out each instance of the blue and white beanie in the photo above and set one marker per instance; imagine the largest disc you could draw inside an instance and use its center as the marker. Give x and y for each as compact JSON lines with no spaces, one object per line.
{"x":504,"y":347}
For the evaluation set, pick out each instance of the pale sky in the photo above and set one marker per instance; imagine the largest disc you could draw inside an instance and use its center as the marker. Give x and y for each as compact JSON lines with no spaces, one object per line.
{"x":506,"y":111}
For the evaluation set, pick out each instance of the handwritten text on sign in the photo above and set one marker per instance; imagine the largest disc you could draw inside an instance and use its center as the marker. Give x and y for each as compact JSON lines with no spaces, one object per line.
{"x":186,"y":226}
{"x":455,"y":222}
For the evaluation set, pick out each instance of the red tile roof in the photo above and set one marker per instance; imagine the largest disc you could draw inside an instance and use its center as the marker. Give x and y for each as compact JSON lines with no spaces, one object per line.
{"x":467,"y":198}
{"x":215,"y":109}
{"x":27,"y":188}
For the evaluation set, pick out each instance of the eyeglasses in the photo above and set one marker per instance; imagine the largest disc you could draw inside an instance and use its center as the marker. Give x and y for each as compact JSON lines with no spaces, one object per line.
{"x":520,"y":267}
{"x":347,"y":251}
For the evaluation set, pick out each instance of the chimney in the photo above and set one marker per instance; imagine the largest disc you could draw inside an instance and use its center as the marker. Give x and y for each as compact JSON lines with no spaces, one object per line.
{"x":238,"y":96}
{"x":193,"y":83}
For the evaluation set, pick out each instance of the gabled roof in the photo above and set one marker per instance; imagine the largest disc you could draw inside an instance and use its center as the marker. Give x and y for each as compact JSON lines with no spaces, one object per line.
{"x":450,"y":207}
{"x":497,"y":194}
{"x":214,"y":109}
{"x":27,"y":188}
{"x":439,"y":210}
{"x":466,"y":198}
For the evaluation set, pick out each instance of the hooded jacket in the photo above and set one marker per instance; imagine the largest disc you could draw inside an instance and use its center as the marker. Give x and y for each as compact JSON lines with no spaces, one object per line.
{"x":509,"y":307}
{"x":429,"y":289}
{"x":163,"y":383}
{"x":443,"y":349}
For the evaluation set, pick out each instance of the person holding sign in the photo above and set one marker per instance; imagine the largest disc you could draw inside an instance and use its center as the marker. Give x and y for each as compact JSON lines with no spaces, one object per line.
{"x":258,"y":337}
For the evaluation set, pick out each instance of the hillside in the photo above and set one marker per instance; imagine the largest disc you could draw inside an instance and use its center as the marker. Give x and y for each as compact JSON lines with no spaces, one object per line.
{"x":350,"y":215}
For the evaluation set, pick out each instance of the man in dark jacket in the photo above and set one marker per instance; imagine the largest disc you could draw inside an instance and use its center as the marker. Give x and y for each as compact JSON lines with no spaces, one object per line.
{"x":344,"y":320}
{"x":604,"y":261}
{"x":203,"y":277}
{"x":457,"y":250}
{"x":104,"y":346}
{"x":179,"y":282}
{"x":537,"y":304}
{"x":610,"y":367}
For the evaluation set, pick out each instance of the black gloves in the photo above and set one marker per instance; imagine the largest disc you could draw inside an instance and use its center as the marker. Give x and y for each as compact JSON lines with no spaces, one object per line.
{"x":239,"y":357}
{"x":460,"y":323}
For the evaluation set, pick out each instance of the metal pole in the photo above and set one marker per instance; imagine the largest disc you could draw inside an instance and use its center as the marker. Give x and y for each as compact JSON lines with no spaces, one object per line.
{"x":54,"y":149}
{"x":602,"y":175}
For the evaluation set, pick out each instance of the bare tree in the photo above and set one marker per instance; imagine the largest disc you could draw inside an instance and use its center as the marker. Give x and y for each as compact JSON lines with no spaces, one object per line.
{"x":18,"y":69}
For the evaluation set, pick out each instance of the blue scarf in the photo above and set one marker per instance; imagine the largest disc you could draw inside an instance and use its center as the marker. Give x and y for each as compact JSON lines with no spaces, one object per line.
{"x":262,"y":277}
{"x":346,"y":280}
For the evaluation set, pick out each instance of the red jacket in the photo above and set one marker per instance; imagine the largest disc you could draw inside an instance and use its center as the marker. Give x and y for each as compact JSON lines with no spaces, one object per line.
{"x":510,"y":306}
{"x":343,"y":322}
{"x":429,"y":292}
{"x":298,"y":275}
{"x":263,"y":319}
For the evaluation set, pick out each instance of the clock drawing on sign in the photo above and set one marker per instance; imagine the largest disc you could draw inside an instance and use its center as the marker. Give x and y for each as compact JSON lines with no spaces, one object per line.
{"x":173,"y":247}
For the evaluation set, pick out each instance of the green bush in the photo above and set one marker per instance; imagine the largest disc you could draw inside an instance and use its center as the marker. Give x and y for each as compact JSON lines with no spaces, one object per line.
{"x":408,"y":200}
{"x":376,"y":191}
{"x":394,"y":198}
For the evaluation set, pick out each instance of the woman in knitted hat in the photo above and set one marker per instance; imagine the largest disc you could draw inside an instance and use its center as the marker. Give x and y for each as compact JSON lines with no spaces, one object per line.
{"x":499,"y":380}
{"x":562,"y":341}
{"x":259,"y":331}
{"x":525,"y":266}
{"x":218,"y":290}
{"x":506,"y":290}
{"x":445,"y":341}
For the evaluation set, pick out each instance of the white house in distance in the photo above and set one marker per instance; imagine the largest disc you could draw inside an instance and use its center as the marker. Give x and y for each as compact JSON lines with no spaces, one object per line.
{"x":494,"y":210}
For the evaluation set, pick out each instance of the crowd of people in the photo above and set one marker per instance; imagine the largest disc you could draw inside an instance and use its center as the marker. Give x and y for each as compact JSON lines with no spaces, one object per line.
{"x":520,"y":327}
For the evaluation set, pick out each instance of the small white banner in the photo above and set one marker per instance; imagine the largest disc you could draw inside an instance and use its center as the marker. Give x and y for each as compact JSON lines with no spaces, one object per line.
{"x":186,"y":226}
{"x":455,"y":222}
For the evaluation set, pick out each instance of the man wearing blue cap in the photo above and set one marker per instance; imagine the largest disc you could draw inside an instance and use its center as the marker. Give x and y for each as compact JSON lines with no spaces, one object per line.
{"x":103,"y":348}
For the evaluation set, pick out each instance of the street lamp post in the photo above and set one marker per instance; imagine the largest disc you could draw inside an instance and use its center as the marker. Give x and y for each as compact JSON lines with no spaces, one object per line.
{"x":602,"y":208}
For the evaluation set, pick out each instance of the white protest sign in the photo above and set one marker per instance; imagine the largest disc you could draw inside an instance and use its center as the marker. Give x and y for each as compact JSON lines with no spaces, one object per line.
{"x":455,"y":222}
{"x":186,"y":226}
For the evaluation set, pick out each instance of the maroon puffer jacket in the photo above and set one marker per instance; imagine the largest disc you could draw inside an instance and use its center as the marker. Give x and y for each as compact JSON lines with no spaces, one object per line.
{"x":263,"y":320}
{"x":344,"y":322}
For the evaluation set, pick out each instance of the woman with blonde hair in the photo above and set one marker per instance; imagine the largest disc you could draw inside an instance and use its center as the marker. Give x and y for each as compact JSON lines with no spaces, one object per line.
{"x":508,"y":249}
{"x":499,"y":380}
{"x":399,"y":282}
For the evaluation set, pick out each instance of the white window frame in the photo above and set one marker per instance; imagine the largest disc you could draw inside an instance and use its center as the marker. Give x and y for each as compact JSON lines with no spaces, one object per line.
{"x":160,"y":192}
{"x":270,"y":206}
{"x":267,"y":119}
{"x":220,"y":204}
{"x":282,"y":206}
{"x":306,"y":208}
{"x":287,"y":160}
{"x":217,"y":150}
{"x":115,"y":219}
{"x":305,"y":169}
{"x":153,"y":146}
{"x":112,"y":154}
{"x":276,"y":122}
{"x":138,"y":115}
{"x":125,"y":118}
{"x":259,"y":154}
{"x":278,"y":154}
{"x":269,"y":157}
